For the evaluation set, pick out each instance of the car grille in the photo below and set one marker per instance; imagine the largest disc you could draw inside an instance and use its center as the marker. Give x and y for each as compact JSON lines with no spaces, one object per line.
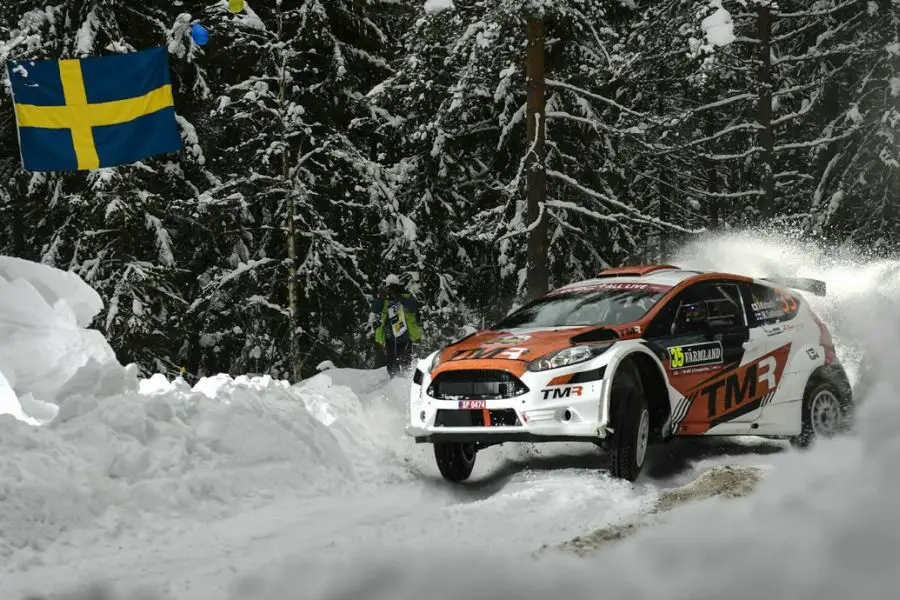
{"x":476,"y":385}
{"x":504,"y":417}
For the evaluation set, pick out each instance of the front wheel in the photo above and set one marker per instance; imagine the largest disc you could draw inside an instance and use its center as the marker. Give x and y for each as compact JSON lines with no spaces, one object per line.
{"x":631,"y":433}
{"x":823,"y":414}
{"x":455,"y":460}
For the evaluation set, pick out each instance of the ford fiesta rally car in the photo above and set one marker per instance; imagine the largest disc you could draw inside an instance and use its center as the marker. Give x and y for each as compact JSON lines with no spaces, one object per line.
{"x":637,"y":355}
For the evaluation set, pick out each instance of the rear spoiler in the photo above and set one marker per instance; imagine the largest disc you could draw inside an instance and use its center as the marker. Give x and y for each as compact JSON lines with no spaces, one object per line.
{"x":816,"y":286}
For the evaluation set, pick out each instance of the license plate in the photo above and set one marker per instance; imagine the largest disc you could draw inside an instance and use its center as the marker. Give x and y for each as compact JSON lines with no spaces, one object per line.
{"x":472,"y":404}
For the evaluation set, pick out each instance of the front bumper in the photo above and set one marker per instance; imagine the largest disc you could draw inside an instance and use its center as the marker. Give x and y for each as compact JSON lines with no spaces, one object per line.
{"x":535,"y":416}
{"x":481,"y":435}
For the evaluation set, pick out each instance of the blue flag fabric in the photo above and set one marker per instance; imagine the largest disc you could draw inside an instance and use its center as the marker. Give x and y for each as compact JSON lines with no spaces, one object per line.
{"x":90,"y":113}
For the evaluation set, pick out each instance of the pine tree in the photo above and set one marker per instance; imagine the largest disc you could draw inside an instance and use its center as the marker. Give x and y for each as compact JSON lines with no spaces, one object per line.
{"x":287,"y":127}
{"x":114,"y":227}
{"x":393,"y":140}
{"x":457,"y":111}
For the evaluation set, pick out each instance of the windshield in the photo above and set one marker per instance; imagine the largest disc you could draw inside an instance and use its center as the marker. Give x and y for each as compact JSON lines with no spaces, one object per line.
{"x":605,"y":304}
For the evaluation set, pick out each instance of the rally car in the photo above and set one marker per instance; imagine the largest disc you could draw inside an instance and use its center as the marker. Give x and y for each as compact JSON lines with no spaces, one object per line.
{"x":637,"y":355}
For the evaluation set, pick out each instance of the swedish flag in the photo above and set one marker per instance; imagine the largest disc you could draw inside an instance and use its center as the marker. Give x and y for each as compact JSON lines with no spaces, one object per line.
{"x":89,"y":113}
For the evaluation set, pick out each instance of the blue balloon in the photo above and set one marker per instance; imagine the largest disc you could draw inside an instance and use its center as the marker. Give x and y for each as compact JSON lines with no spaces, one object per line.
{"x":200,"y":35}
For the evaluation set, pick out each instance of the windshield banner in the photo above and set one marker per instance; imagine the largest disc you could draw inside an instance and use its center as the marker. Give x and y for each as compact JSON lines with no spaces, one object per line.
{"x":622,"y":285}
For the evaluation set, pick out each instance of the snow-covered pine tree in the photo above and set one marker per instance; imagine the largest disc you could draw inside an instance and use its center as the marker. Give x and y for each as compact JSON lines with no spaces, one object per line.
{"x":731,"y":110}
{"x":292,"y":284}
{"x":809,"y":55}
{"x":696,"y":71}
{"x":815,"y":89}
{"x":666,"y":80}
{"x":12,"y":210}
{"x":461,"y":144}
{"x":114,"y":227}
{"x":844,"y":118}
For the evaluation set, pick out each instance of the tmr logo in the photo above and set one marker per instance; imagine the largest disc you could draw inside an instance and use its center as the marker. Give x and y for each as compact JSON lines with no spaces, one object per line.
{"x":735,"y":392}
{"x":695,"y":355}
{"x":556,"y":393}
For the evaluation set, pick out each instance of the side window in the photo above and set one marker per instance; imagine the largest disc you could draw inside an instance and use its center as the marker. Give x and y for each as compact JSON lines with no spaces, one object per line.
{"x":701,"y":308}
{"x":771,"y":305}
{"x":718,"y":308}
{"x":661,"y":326}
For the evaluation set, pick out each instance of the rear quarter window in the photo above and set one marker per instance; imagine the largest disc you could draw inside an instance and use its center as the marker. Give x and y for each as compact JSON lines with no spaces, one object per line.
{"x":771,"y":305}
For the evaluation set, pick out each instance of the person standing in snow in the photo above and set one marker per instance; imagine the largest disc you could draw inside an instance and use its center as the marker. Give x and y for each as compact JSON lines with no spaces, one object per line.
{"x":397,"y":326}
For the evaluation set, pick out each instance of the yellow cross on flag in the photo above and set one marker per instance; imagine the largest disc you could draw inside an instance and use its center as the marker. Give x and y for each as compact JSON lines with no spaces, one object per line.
{"x":81,"y":114}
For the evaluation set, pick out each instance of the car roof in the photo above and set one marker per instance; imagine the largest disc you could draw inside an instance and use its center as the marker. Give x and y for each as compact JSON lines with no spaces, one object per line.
{"x":662,"y":275}
{"x":666,"y":275}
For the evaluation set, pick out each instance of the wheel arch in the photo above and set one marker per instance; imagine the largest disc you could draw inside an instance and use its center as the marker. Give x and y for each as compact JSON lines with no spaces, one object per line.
{"x":835,"y":375}
{"x":650,"y":372}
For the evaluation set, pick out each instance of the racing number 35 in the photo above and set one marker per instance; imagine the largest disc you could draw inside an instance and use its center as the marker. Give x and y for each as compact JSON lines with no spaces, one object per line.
{"x":788,"y":302}
{"x":676,"y":355}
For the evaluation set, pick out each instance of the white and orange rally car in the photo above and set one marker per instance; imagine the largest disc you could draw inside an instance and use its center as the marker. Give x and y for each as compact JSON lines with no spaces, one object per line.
{"x":636,"y":356}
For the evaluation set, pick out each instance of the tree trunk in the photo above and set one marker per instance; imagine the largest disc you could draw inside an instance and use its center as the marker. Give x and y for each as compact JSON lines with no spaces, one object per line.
{"x":537,"y":176}
{"x":665,"y":192}
{"x":766,"y":135}
{"x":664,"y":208}
{"x":712,"y":180}
{"x":293,"y":309}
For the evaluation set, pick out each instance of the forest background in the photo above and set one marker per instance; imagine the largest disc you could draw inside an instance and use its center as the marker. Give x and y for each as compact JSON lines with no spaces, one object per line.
{"x":329,"y":143}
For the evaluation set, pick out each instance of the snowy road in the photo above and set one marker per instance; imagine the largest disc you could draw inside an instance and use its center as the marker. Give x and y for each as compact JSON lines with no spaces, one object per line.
{"x":199,"y":560}
{"x":251,"y":489}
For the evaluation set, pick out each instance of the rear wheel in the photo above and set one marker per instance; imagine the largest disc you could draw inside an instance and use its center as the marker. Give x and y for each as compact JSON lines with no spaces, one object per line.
{"x":823,"y":414}
{"x":455,"y":460}
{"x":631,"y":425}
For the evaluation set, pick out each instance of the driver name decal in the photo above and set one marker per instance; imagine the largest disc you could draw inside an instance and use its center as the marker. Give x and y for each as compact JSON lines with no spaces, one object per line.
{"x":695,"y":355}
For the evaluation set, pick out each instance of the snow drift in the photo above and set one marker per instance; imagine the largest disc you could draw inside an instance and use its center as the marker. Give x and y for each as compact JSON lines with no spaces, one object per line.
{"x":84,"y":443}
{"x":47,"y":352}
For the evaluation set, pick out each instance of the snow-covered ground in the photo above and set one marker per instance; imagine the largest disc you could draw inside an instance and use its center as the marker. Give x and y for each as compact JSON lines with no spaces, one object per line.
{"x":251,"y":488}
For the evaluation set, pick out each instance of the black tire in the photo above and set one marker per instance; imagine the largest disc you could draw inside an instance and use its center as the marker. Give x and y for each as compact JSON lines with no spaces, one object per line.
{"x":455,"y":460}
{"x":818,"y":394}
{"x":629,"y":404}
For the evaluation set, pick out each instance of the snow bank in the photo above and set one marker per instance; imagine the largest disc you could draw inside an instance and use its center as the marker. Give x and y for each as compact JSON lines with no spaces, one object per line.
{"x":46,"y":353}
{"x":84,"y":444}
{"x":54,"y":285}
{"x":168,"y":450}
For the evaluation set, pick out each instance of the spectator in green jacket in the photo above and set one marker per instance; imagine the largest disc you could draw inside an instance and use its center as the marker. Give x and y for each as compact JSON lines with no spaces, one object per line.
{"x":397,"y":326}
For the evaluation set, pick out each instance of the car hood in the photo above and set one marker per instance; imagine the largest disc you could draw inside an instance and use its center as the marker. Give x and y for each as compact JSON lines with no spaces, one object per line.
{"x":518,"y":345}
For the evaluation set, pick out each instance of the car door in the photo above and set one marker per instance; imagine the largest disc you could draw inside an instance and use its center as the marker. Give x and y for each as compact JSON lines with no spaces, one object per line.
{"x":701,"y":337}
{"x":771,"y":314}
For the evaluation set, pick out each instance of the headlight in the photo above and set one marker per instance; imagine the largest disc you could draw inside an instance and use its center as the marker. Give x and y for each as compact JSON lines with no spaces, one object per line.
{"x":435,"y":361}
{"x":568,"y":356}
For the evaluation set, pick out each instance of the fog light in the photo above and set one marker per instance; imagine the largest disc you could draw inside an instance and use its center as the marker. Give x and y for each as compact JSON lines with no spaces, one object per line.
{"x":422,"y":416}
{"x":567,"y":415}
